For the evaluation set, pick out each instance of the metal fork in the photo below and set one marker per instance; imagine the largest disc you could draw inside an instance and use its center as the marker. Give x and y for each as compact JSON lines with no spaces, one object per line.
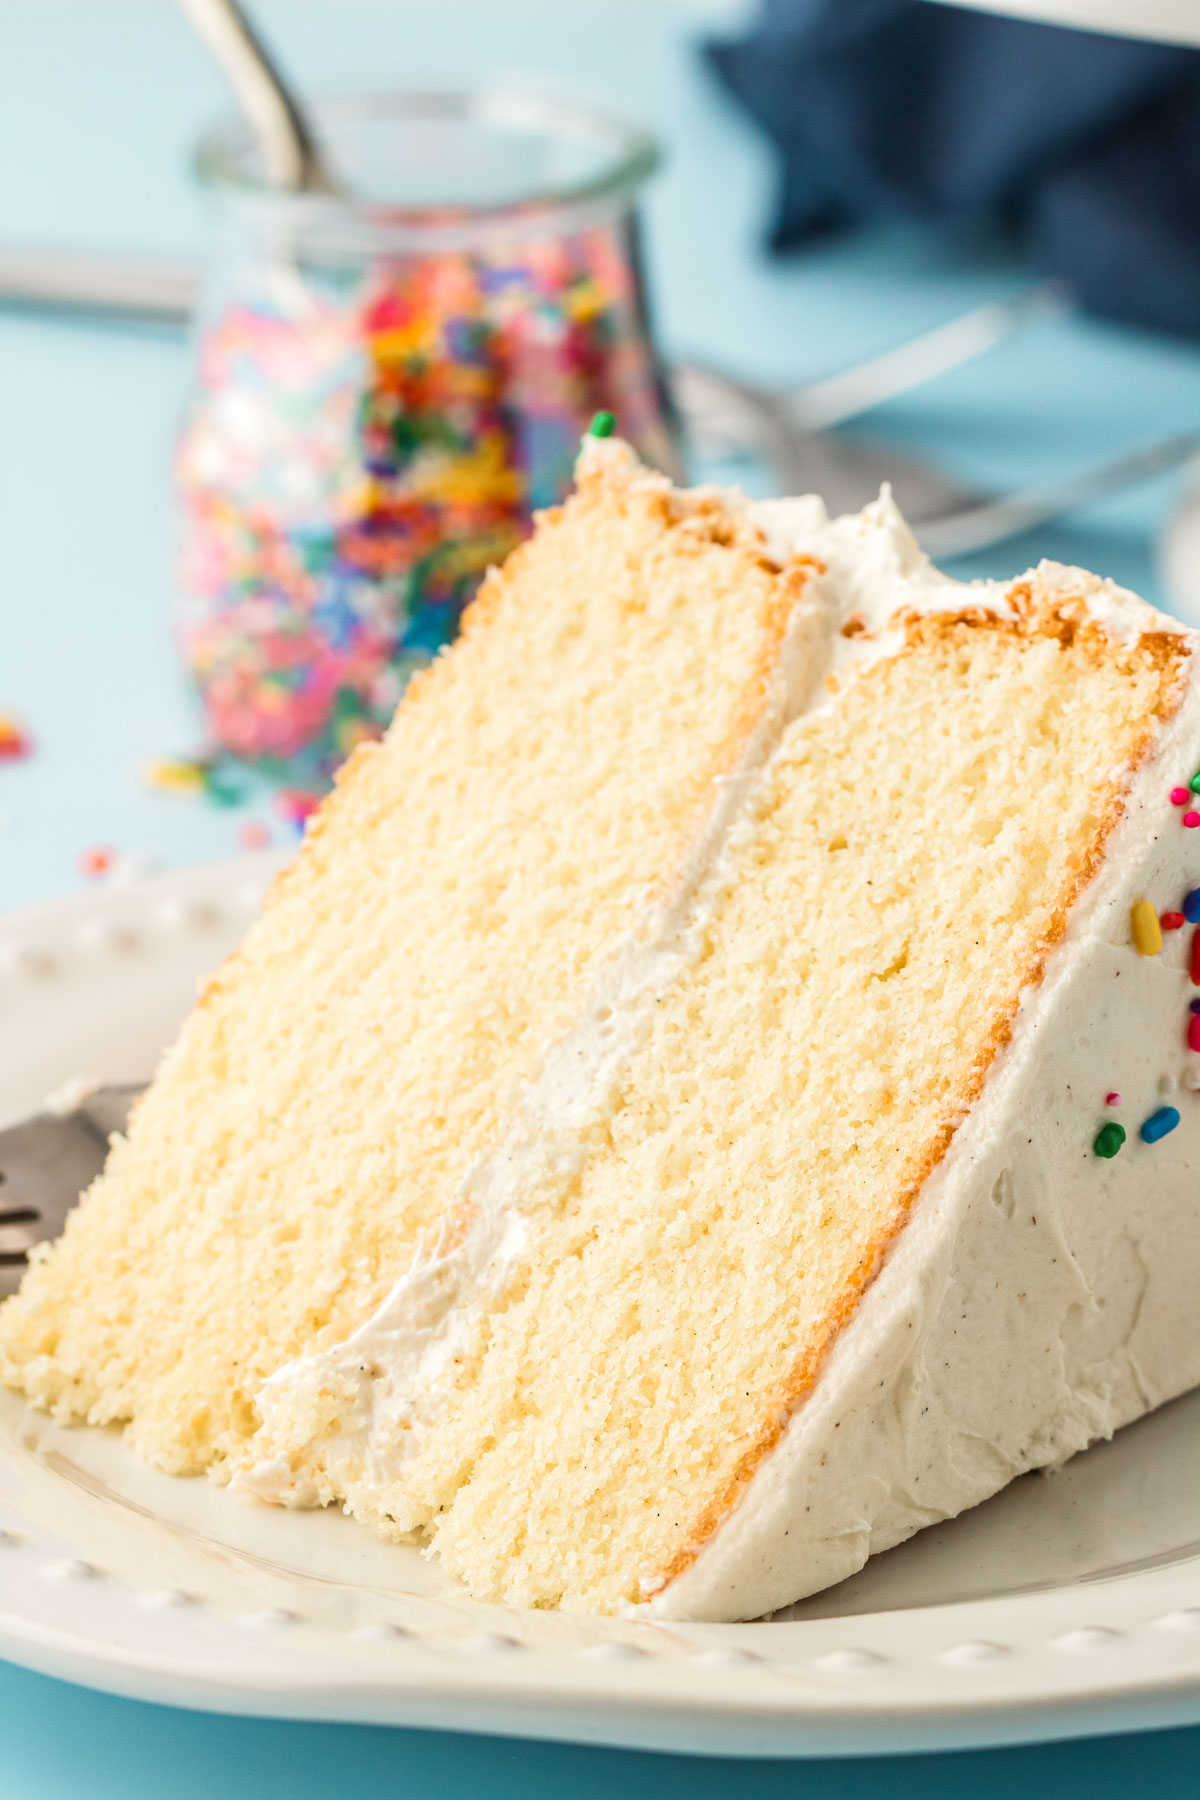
{"x":45,"y":1164}
{"x":789,"y":431}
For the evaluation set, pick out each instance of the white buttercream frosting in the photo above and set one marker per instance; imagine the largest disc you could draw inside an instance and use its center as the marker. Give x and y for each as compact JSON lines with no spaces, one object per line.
{"x":1059,"y":1287}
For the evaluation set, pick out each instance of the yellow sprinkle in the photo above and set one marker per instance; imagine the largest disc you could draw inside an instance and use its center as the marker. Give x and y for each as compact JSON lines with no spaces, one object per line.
{"x":173,"y":777}
{"x":1147,"y":932}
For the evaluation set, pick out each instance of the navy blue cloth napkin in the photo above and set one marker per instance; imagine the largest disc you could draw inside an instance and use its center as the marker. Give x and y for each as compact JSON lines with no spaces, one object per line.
{"x":1088,"y":145}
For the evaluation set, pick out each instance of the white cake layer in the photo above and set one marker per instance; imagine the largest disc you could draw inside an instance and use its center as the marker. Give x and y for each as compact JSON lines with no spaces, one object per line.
{"x":1040,"y":1296}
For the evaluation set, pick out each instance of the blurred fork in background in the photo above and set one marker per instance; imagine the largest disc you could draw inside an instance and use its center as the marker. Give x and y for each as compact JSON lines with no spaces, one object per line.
{"x":790,"y":431}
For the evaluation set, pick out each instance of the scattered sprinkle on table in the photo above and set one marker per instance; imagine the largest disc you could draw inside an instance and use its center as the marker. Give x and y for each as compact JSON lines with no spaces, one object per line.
{"x":296,"y":805}
{"x":213,"y":778}
{"x":15,"y":741}
{"x":175,"y":775}
{"x":96,"y":861}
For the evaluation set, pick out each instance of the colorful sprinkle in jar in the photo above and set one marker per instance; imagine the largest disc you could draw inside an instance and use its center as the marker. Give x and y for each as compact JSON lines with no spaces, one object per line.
{"x":387,"y":384}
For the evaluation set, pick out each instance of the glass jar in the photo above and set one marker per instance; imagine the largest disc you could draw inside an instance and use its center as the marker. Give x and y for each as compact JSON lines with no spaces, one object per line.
{"x":386,"y":386}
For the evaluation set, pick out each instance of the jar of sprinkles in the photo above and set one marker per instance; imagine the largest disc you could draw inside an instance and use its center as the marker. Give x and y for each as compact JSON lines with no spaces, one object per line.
{"x":388,"y":380}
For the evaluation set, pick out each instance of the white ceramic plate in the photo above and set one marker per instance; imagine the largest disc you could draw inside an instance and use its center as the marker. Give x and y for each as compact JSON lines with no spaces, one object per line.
{"x":1069,"y":1604}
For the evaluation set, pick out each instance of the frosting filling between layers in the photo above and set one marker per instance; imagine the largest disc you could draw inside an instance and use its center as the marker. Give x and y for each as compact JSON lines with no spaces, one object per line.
{"x":384,"y":1377}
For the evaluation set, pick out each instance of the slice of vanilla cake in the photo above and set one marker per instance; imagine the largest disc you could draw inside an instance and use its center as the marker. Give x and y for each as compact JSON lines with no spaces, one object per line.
{"x":866,"y":1176}
{"x":359,"y":1054}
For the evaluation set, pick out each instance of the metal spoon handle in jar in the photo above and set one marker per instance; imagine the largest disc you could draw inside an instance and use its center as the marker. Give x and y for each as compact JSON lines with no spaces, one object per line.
{"x":291,"y":158}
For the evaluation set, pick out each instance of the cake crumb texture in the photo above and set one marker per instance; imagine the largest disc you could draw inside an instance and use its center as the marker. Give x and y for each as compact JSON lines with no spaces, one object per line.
{"x":363,"y":1046}
{"x":907,"y":865}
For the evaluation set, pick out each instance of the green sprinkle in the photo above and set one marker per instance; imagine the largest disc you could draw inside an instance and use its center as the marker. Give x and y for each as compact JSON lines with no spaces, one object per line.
{"x":1109,"y":1139}
{"x":1194,"y":783}
{"x":220,"y":792}
{"x":604,"y":424}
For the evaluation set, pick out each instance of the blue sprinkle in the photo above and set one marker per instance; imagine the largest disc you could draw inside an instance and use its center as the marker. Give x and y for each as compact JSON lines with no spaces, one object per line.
{"x":1194,"y":1005}
{"x":1159,"y":1124}
{"x":1191,"y":906}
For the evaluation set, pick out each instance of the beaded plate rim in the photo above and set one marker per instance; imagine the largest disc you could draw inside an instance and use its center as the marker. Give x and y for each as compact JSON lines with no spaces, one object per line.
{"x":183,"y":1611}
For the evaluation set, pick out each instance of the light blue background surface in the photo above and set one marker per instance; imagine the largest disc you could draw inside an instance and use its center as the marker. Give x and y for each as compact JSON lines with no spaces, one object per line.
{"x":99,"y":101}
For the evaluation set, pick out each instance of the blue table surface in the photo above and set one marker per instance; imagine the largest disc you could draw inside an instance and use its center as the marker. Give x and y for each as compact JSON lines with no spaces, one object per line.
{"x":98,"y":107}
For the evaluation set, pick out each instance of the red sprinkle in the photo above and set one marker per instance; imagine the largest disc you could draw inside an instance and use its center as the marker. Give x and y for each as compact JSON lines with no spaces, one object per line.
{"x":1180,"y":796}
{"x":1112,"y":1099}
{"x":96,"y":861}
{"x":253,"y":835}
{"x":1195,"y":958}
{"x":1171,"y":921}
{"x":1191,"y":820}
{"x":1194,"y":1032}
{"x":295,"y":805}
{"x":15,"y":741}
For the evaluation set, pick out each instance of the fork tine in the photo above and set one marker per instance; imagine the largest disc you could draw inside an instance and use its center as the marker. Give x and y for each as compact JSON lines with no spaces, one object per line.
{"x":45,"y":1164}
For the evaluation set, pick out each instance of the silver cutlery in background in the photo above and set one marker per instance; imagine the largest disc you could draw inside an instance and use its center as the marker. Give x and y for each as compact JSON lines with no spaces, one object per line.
{"x":724,"y":400}
{"x":964,"y":533}
{"x":159,"y":290}
{"x":287,"y":142}
{"x":721,"y":413}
